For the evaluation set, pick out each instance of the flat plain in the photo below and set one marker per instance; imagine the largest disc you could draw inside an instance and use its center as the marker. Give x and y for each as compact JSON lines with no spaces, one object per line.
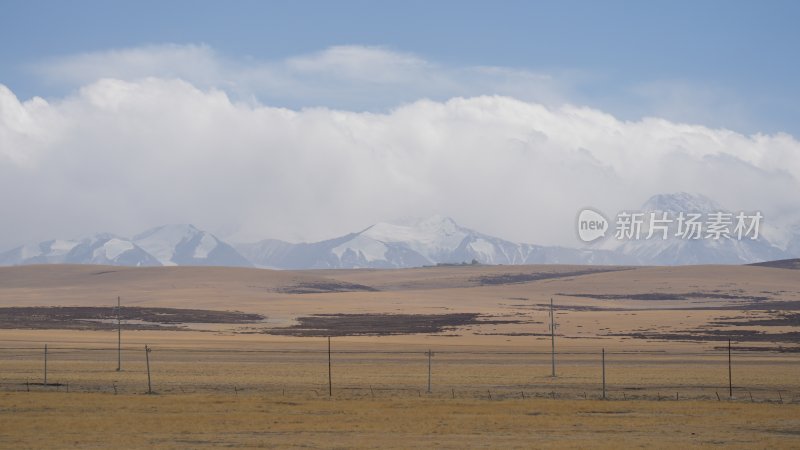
{"x":240,"y":357}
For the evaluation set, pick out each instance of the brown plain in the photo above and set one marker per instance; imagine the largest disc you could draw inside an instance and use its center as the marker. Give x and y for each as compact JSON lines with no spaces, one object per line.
{"x":665,"y":331}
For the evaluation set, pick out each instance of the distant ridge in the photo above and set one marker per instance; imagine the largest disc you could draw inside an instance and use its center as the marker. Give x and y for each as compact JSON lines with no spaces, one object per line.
{"x":793,"y":263}
{"x":186,"y":245}
{"x":169,"y":245}
{"x":430,"y":241}
{"x":677,"y":251}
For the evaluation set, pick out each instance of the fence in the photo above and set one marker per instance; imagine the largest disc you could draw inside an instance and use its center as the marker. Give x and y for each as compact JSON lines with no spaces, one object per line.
{"x":355,"y":370}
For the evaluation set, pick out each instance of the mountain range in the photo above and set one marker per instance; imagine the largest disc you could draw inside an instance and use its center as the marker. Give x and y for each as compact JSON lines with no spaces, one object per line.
{"x":169,"y":245}
{"x":680,"y":251}
{"x":411,"y":243}
{"x":429,"y":241}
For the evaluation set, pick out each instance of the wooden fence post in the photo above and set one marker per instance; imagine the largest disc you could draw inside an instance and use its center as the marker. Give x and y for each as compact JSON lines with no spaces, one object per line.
{"x":147,"y":358}
{"x":730,"y":373}
{"x":604,"y":374}
{"x":430,"y":354}
{"x":119,"y":335}
{"x":330,"y":379}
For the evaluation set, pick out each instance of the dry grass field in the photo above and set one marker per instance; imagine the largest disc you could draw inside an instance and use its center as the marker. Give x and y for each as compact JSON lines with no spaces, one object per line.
{"x":248,"y":366}
{"x":48,"y":420}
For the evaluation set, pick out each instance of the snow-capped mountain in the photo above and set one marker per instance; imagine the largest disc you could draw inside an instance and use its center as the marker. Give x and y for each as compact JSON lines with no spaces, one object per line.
{"x":680,"y":202}
{"x":109,"y":249}
{"x":791,"y":240}
{"x":410,"y":243}
{"x":47,"y":252}
{"x":168,"y":245}
{"x":101,"y":248}
{"x":429,"y":241}
{"x":185,"y":245}
{"x":675,"y":250}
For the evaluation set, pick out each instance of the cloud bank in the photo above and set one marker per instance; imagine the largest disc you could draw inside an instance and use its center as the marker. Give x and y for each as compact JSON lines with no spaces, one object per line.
{"x":343,"y":77}
{"x":166,"y":135}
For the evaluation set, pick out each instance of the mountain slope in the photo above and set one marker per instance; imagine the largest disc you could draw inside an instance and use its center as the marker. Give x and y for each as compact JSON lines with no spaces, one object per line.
{"x":111,"y":250}
{"x":429,"y":241}
{"x":793,"y":246}
{"x":102,"y":248}
{"x":411,"y":243}
{"x":185,"y":245}
{"x":676,"y":250}
{"x":168,"y":245}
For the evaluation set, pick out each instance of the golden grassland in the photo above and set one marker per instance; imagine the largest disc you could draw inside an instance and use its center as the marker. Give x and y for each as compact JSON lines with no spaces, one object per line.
{"x":435,"y":290}
{"x":59,"y":420}
{"x":238,"y":385}
{"x":369,"y":367}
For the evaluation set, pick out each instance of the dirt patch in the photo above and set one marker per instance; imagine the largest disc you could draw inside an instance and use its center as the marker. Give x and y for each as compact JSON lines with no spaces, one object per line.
{"x":713,"y":332}
{"x":781,"y":319}
{"x":715,"y":335}
{"x":514,"y":334}
{"x":778,"y":349}
{"x":104,"y":318}
{"x":381,"y":324}
{"x":324,"y":287}
{"x":577,"y":308}
{"x":766,"y":307}
{"x":781,"y":264}
{"x":515,"y":278}
{"x":668,"y":296}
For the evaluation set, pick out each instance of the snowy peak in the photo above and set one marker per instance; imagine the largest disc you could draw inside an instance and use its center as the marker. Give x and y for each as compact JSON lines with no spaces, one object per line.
{"x":429,"y":237}
{"x":168,"y":245}
{"x":406,"y":243}
{"x":431,"y":229}
{"x":185,"y":244}
{"x":162,"y":241}
{"x":101,"y":248}
{"x":53,"y":251}
{"x":681,"y":202}
{"x":677,"y":249}
{"x":105,"y":248}
{"x":412,"y":243}
{"x":793,"y":246}
{"x":47,"y":252}
{"x":431,"y":223}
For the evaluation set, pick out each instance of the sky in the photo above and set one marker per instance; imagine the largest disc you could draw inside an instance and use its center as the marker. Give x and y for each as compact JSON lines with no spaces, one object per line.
{"x":307,"y":120}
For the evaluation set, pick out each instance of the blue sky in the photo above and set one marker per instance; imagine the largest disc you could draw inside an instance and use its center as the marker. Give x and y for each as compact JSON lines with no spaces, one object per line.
{"x":722,"y":63}
{"x":308,"y":120}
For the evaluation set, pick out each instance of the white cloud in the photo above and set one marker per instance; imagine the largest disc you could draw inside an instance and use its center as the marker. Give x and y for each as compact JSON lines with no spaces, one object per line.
{"x":685,"y":101}
{"x":198,"y":63}
{"x":124,"y":155}
{"x":366,"y":64}
{"x":348,"y":77}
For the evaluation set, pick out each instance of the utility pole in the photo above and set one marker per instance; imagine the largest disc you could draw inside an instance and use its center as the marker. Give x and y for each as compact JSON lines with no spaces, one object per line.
{"x":330,"y":379}
{"x":604,"y":374}
{"x":45,"y":364}
{"x":430,"y":354}
{"x":730,"y":373}
{"x":147,"y":357}
{"x":553,"y":336}
{"x":119,"y":336}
